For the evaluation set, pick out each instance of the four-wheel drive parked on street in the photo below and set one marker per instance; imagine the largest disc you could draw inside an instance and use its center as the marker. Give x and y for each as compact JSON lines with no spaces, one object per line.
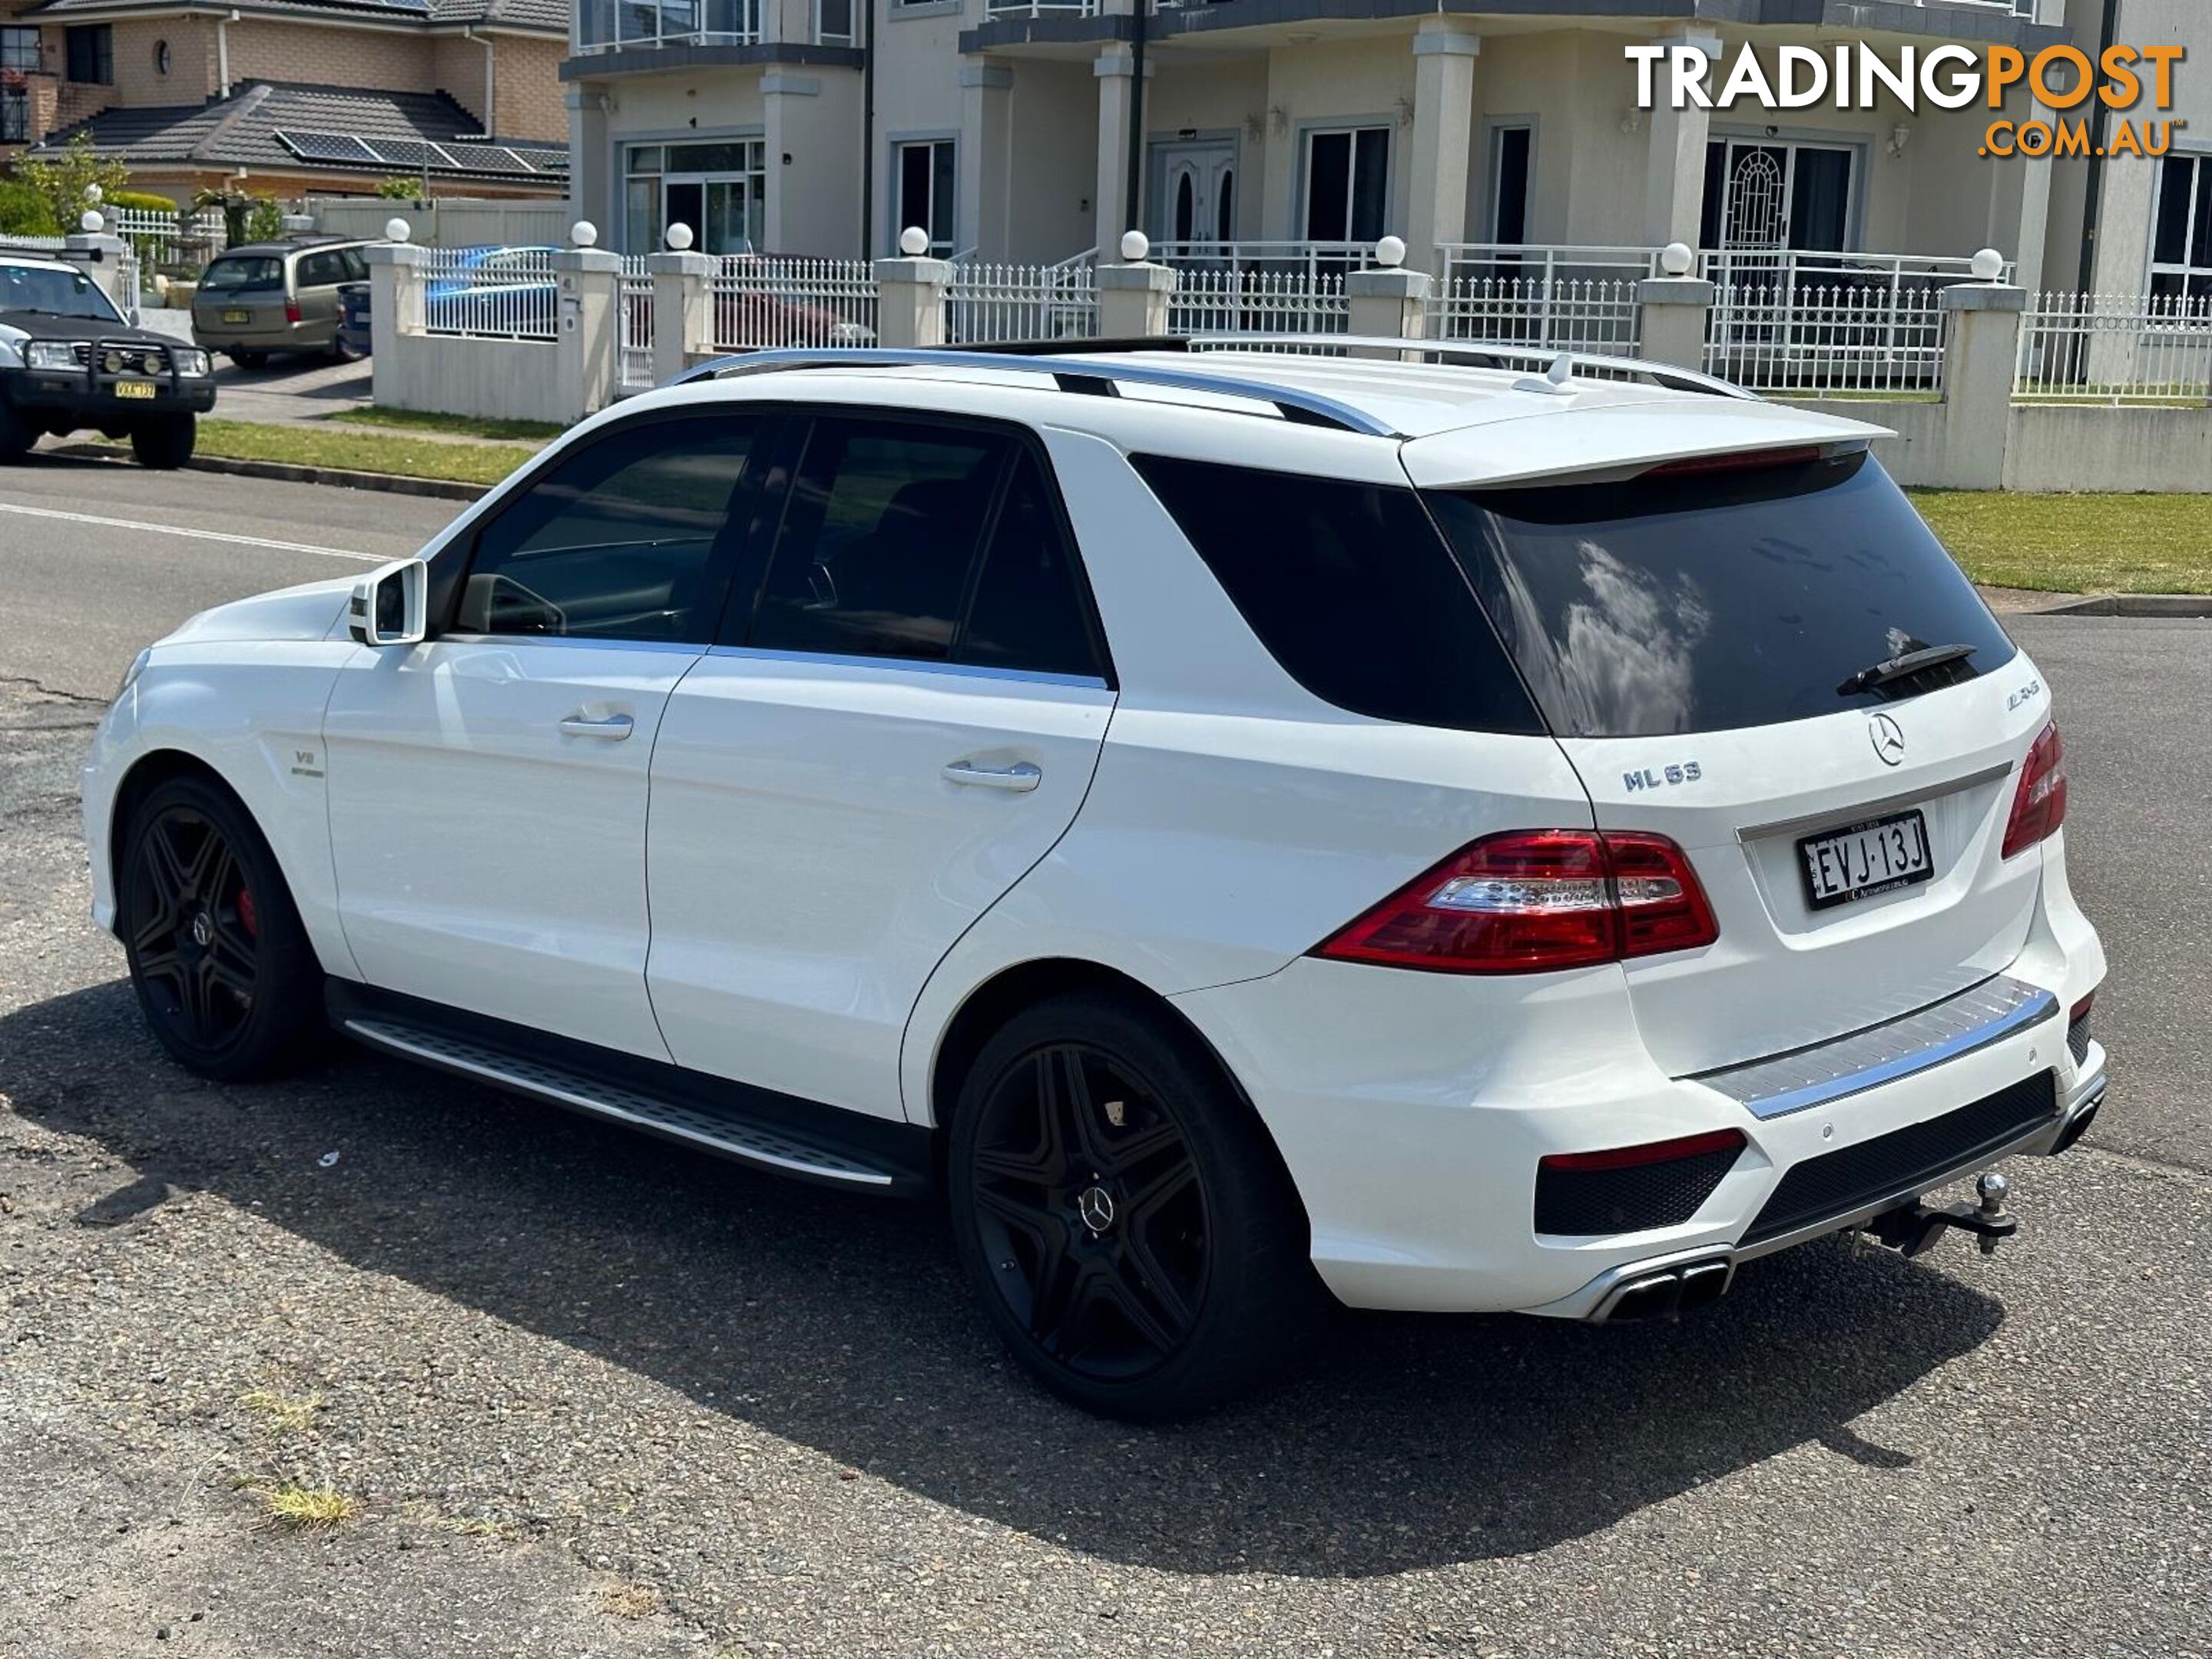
{"x":265,"y":297}
{"x":68,"y":362}
{"x":1455,"y":838}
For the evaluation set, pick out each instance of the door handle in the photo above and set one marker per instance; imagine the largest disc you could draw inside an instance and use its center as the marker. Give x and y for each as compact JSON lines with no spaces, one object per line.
{"x":616,"y":727}
{"x":1021,"y":777}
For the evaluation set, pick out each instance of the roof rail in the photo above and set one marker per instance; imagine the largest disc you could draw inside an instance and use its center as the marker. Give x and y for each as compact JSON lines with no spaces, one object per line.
{"x":1491,"y":354}
{"x":1097,"y":379}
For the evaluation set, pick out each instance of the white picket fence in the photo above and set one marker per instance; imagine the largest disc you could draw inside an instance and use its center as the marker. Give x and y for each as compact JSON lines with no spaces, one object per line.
{"x":498,"y":294}
{"x":167,"y":238}
{"x":634,"y":291}
{"x":1814,"y":341}
{"x":786,"y":302}
{"x":1596,"y":315}
{"x":1258,"y":302}
{"x":993,"y":304}
{"x":2115,"y":348}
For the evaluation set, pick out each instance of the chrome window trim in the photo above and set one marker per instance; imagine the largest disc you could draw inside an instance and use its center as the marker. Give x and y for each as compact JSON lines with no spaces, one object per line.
{"x":912,"y":664}
{"x":2023,"y":1005}
{"x":586,"y":642}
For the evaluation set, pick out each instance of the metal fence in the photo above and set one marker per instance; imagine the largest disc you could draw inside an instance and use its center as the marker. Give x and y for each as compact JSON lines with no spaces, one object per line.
{"x":1517,"y":262}
{"x":1818,"y":340}
{"x":1258,"y":302}
{"x":2115,"y":348}
{"x":1312,"y":260}
{"x":634,"y":292}
{"x":167,"y":238}
{"x":1593,"y":314}
{"x":994,"y":303}
{"x":784,"y":301}
{"x":489,"y":293}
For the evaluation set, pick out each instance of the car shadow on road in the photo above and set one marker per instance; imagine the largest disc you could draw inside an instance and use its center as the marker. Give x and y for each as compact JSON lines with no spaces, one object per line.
{"x":839,"y":1322}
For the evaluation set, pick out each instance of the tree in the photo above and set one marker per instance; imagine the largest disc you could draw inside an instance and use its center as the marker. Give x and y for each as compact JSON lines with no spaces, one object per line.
{"x":24,"y":212}
{"x":65,"y":183}
{"x":399,"y":188}
{"x":245,"y":218}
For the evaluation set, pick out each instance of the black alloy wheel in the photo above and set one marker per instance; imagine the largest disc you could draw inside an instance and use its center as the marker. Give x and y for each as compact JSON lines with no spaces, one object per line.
{"x":1091,"y":1202}
{"x":223,"y":967}
{"x":1122,"y":1213}
{"x":195,"y":935}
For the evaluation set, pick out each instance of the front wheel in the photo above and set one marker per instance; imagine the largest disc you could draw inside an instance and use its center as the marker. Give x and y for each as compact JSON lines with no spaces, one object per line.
{"x":164,"y":441}
{"x":223,"y":969}
{"x":17,"y":435}
{"x":1123,"y":1215}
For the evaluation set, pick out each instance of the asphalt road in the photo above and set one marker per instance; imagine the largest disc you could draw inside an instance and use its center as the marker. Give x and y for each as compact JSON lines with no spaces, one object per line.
{"x":598,"y":1397}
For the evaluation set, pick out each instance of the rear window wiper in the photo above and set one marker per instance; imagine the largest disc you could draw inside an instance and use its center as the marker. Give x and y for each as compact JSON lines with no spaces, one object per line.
{"x":1903,"y":667}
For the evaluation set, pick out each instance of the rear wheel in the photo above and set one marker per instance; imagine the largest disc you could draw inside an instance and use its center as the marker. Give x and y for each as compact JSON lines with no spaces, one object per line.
{"x":1123,"y":1216}
{"x":250,"y":360}
{"x":164,"y":441}
{"x":222,"y":965}
{"x":343,"y":350}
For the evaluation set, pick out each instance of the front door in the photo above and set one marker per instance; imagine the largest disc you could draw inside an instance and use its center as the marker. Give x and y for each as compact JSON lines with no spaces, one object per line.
{"x":906,"y":724}
{"x":488,"y":787}
{"x":1194,"y":191}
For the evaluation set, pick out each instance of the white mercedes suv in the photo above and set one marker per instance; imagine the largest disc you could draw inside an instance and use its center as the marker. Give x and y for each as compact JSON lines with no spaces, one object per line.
{"x":1249,"y":826}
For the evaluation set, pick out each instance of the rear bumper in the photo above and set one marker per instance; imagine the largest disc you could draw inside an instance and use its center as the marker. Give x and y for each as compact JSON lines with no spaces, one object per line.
{"x":1413,"y":1110}
{"x":278,"y":337}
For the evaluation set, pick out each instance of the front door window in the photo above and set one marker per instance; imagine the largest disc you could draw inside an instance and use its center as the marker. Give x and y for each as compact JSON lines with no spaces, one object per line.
{"x":717,"y":191}
{"x":925,"y":193}
{"x":1191,"y":193}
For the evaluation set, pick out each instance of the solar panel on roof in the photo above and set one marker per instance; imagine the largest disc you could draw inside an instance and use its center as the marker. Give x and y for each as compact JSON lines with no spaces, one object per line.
{"x":326,"y":147}
{"x":413,"y":153}
{"x":484,"y":158}
{"x":545,"y":161}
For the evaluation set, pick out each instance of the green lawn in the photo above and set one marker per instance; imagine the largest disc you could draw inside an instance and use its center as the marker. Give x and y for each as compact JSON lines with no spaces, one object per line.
{"x":458,"y":426}
{"x":2076,"y":543}
{"x":362,"y":452}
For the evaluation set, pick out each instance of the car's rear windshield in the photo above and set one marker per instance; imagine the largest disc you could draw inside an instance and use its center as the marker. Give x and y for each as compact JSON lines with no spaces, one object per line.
{"x":252,"y":273}
{"x":1710,"y":600}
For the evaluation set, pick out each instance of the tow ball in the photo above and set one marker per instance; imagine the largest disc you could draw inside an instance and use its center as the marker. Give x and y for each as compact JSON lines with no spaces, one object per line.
{"x":1912,"y":1229}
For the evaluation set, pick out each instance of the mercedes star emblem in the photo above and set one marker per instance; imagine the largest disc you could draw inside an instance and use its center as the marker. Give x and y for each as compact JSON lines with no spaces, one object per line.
{"x":1095,"y":1207}
{"x":1888,"y":739}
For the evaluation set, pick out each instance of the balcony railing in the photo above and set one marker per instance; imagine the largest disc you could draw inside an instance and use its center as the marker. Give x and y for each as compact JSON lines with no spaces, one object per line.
{"x":637,"y":25}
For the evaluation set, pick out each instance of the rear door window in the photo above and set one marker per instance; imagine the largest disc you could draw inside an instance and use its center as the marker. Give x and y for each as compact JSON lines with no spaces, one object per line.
{"x":321,"y":270}
{"x":1351,"y":590}
{"x":880,"y":533}
{"x":1712,"y":600}
{"x":1029,"y":610}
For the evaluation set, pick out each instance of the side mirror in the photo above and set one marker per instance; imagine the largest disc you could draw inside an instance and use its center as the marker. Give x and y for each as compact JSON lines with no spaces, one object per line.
{"x":390,"y":606}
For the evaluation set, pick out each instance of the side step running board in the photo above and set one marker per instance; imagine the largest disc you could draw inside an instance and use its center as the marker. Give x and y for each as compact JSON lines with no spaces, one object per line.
{"x":765,"y":1145}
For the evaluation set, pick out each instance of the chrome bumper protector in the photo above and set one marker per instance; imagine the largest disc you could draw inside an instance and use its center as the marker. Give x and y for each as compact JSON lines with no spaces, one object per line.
{"x":1806,"y":1078}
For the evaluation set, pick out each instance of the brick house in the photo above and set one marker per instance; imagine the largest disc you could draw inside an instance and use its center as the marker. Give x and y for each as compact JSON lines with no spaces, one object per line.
{"x":290,"y":98}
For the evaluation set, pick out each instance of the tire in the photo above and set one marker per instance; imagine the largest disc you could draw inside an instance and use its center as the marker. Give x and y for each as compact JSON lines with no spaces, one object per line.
{"x":164,"y":441}
{"x":223,"y":970}
{"x":1191,"y":1282}
{"x":251,"y":361}
{"x":17,"y":435}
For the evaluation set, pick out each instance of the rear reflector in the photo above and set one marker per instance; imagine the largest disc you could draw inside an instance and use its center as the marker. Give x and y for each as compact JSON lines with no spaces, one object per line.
{"x":1535,"y":901}
{"x":1652,"y":1151}
{"x":2039,"y":805}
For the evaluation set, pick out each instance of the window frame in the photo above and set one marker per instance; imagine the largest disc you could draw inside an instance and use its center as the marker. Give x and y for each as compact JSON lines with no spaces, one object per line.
{"x":101,"y":39}
{"x":739,"y":528}
{"x":939,"y":247}
{"x":14,"y":39}
{"x":1348,"y":128}
{"x":2196,"y":263}
{"x":741,"y":617}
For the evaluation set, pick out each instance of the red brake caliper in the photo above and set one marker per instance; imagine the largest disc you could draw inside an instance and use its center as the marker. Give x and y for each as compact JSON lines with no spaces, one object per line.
{"x":246,"y":917}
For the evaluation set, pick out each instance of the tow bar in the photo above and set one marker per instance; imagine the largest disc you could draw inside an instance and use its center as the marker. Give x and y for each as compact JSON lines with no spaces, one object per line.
{"x":1912,"y":1229}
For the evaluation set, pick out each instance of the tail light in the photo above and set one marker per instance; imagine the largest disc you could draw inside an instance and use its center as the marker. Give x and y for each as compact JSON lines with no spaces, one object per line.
{"x":1534,"y":901}
{"x":2039,"y":805}
{"x":291,"y":311}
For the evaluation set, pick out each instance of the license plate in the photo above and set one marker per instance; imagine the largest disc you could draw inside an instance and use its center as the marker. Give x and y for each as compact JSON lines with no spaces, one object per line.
{"x":1861,"y":860}
{"x":238,"y":316}
{"x":134,"y":388}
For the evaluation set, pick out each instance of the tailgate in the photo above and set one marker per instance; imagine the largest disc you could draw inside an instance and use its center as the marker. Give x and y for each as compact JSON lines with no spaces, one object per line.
{"x":1810,"y":845}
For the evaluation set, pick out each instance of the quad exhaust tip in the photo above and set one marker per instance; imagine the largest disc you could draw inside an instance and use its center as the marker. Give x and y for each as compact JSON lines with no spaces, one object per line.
{"x":1668,"y":1293}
